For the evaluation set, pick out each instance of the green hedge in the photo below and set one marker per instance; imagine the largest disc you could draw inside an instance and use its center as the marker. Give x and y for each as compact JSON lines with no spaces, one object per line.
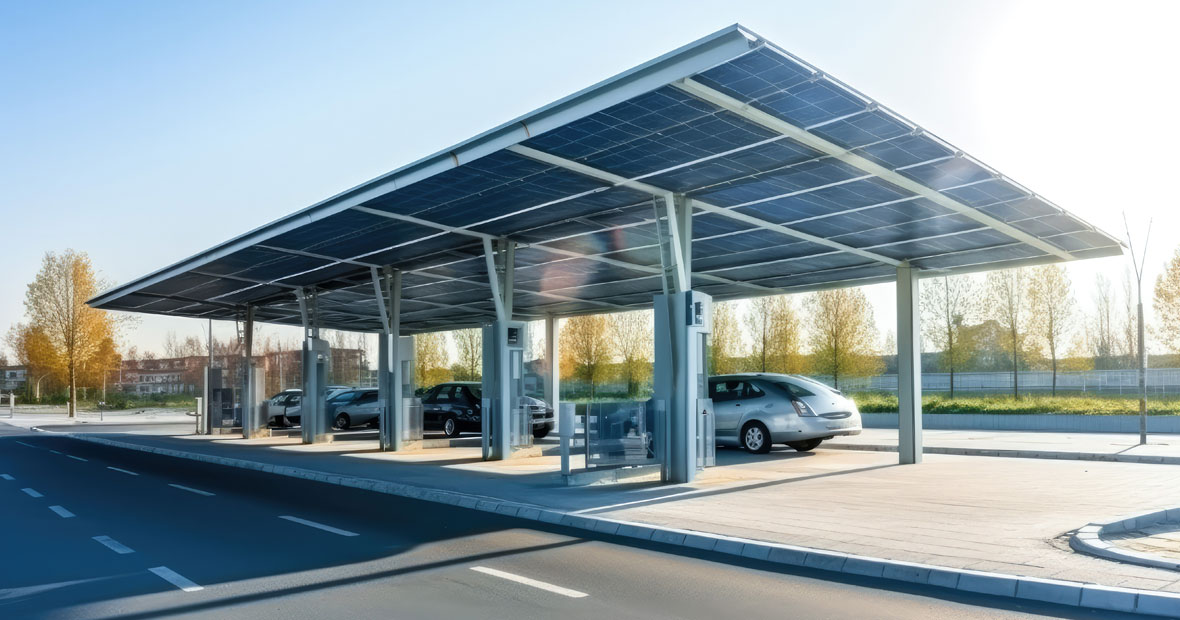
{"x":879,"y":402}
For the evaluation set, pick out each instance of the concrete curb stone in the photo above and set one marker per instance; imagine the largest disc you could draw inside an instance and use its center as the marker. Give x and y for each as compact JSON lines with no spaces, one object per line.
{"x":1094,"y":596}
{"x":1088,"y":539}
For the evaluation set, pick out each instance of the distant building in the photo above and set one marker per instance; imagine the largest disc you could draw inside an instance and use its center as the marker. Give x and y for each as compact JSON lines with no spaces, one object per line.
{"x":13,"y":378}
{"x":186,"y":375}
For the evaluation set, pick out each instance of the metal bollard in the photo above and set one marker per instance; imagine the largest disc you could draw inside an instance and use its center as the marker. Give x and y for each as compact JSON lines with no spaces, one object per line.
{"x":200,"y":415}
{"x":565,"y":430}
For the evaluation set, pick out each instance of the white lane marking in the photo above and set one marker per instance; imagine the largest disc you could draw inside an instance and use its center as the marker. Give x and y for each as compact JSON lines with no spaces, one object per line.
{"x":319,"y":526}
{"x":26,"y":444}
{"x":32,"y":493}
{"x":176,"y":579}
{"x":54,"y":451}
{"x":122,"y":470}
{"x":190,"y":489}
{"x":6,"y":477}
{"x":114,"y":545}
{"x":77,"y":458}
{"x":62,"y":512}
{"x":529,"y":582}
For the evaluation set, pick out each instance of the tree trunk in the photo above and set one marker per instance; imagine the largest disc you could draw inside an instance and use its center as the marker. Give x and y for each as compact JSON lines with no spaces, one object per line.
{"x":1015,"y":377}
{"x":1055,"y":375}
{"x":952,"y":382}
{"x":72,"y":407}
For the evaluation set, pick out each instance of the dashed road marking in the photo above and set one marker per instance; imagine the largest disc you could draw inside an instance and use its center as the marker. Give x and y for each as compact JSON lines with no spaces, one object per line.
{"x":113,"y":545}
{"x":548,"y":587}
{"x":190,"y":489}
{"x":32,"y":492}
{"x":25,"y":444}
{"x":6,"y":477}
{"x":54,"y":451}
{"x":122,"y":471}
{"x":319,"y":526}
{"x":77,"y":458}
{"x":62,"y":512}
{"x":175,"y":578}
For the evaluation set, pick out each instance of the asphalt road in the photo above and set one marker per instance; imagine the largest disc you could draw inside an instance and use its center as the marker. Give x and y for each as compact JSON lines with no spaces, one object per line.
{"x":89,"y":531}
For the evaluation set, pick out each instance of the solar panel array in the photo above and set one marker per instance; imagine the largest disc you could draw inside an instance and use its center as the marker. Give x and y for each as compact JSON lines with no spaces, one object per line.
{"x":590,"y":245}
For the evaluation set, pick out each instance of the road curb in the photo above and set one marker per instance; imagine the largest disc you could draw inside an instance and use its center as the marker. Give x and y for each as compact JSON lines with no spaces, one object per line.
{"x":1018,"y":454}
{"x":1089,"y":538}
{"x":1072,"y":593}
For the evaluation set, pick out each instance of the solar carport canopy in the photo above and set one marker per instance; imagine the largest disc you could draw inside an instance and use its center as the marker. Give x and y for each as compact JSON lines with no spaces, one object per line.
{"x":796,"y":182}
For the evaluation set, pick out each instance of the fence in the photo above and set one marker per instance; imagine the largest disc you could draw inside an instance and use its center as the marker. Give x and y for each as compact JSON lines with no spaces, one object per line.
{"x":1160,"y":381}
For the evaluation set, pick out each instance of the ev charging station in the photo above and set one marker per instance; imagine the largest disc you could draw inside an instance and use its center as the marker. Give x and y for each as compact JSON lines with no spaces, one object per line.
{"x":505,"y":417}
{"x":401,"y":413}
{"x":317,"y":358}
{"x":683,"y":322}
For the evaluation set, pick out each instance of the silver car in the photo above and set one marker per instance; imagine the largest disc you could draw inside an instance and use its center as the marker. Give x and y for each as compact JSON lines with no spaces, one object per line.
{"x":355,"y":408}
{"x":756,"y":410}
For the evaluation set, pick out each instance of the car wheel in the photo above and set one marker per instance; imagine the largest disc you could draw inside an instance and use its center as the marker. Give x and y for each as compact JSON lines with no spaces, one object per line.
{"x":755,"y":438}
{"x":540,"y":433}
{"x":341,"y":422}
{"x":451,"y":426}
{"x":805,"y":446}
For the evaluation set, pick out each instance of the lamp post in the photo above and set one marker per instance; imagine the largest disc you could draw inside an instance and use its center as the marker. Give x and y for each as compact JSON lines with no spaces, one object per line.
{"x":1138,"y":261}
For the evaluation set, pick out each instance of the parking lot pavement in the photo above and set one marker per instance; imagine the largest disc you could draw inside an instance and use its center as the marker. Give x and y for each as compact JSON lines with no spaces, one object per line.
{"x":1031,"y":442}
{"x":144,"y":536}
{"x":1002,"y":515}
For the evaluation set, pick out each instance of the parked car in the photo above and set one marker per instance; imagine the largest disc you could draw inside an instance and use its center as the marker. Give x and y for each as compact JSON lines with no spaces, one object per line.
{"x":283,"y":408}
{"x":354,"y":408}
{"x":456,"y":408}
{"x":756,"y":410}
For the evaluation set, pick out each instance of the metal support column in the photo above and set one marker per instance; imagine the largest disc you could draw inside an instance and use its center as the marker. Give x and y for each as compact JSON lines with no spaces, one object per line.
{"x":251,"y":424}
{"x":395,"y":403}
{"x":499,"y":399}
{"x":909,"y":367}
{"x":552,"y":357}
{"x":316,"y":359}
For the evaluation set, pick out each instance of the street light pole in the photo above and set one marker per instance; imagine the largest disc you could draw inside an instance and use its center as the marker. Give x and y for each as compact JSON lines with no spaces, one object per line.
{"x":1138,"y":262}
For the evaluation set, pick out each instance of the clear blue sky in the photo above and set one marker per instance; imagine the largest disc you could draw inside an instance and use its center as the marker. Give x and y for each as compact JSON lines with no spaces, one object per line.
{"x":144,"y":132}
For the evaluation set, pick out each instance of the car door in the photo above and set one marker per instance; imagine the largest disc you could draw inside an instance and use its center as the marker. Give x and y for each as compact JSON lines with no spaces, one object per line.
{"x":726,"y":405}
{"x":432,"y":403}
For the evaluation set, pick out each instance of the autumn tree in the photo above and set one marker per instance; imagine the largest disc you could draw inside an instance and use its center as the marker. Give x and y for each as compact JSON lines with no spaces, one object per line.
{"x":35,"y":352}
{"x":1167,"y":304}
{"x":430,"y":359}
{"x":725,"y":341}
{"x":586,"y":348}
{"x":632,"y":335}
{"x":842,"y":334}
{"x":1006,"y":303}
{"x":1051,"y":311}
{"x":948,"y":305}
{"x":774,"y":330}
{"x":469,"y":347}
{"x":1102,"y":325}
{"x":55,"y":302}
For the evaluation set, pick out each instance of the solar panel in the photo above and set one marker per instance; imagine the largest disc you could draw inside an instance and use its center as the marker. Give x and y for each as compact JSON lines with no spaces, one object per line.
{"x":796,"y":181}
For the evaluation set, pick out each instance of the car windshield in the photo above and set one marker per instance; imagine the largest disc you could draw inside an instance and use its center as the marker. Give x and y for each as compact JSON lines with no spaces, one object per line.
{"x":345,"y":397}
{"x":476,"y":391}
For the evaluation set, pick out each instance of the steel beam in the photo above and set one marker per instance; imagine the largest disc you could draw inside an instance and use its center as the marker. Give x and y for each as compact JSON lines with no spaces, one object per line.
{"x":725,"y":102}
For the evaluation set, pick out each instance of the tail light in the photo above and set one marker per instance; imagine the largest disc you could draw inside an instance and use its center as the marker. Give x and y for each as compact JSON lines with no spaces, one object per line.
{"x":803,"y":409}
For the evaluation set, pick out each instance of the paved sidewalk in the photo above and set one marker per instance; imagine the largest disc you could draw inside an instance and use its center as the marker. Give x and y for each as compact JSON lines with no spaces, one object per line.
{"x":1161,"y":540}
{"x":999,"y":515}
{"x":1102,"y":446}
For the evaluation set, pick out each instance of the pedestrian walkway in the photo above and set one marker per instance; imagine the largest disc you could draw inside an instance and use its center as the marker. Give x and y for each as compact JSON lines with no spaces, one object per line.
{"x":1027,"y":444}
{"x":1009,"y":516}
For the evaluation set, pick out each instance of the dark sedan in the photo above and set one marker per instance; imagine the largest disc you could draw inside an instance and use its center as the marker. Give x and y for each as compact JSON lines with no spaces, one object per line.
{"x":455,"y":407}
